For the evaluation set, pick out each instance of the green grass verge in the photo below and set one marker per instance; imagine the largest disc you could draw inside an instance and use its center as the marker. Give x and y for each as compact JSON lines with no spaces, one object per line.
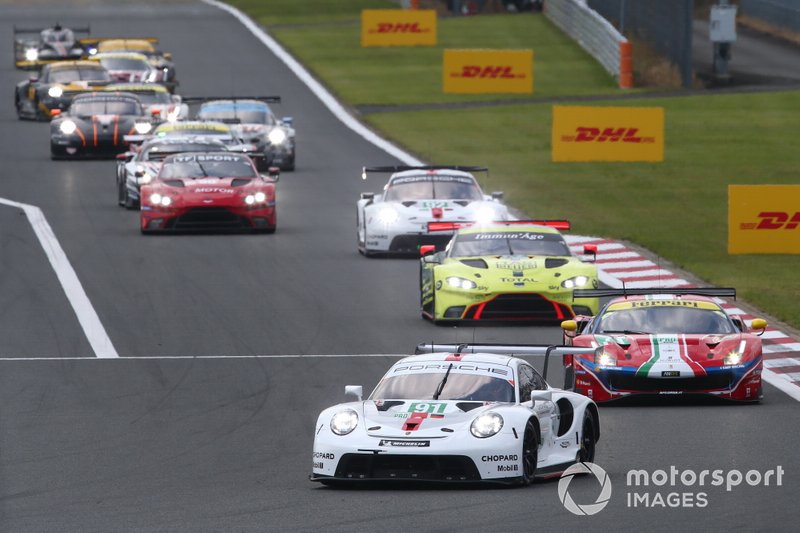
{"x":677,"y":209}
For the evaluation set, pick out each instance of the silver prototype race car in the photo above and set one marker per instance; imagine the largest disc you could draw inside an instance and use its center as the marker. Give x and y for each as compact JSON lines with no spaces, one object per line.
{"x":462,"y":413}
{"x":419,"y":205}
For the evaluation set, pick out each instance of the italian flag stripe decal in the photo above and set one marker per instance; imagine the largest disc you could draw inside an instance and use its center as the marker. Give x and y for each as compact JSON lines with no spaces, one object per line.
{"x":645,"y":368}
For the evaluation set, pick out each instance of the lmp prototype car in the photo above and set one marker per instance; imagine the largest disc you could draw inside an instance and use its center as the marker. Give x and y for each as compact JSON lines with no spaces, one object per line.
{"x":96,"y":125}
{"x":34,"y":47}
{"x":209,"y":191}
{"x":56,"y":85}
{"x":514,"y":271}
{"x":664,"y":341}
{"x":449,"y":416}
{"x":251,"y":119}
{"x":418,"y":207}
{"x":160,"y":61}
{"x":156,"y":100}
{"x":127,"y":67}
{"x":140,"y":167}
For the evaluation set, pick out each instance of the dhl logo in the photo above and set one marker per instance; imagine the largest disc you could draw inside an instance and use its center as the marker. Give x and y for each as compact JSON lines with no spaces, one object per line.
{"x":488,"y":71}
{"x":773,"y":220}
{"x":399,"y":27}
{"x":611,"y":135}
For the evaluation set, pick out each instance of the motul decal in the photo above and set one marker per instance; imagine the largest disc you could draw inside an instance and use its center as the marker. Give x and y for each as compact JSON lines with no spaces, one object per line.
{"x":774,"y":220}
{"x":487,"y":71}
{"x":399,"y":27}
{"x":610,"y":135}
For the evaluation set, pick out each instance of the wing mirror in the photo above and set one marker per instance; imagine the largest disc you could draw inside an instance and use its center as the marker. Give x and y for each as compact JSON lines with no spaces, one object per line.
{"x":570,"y":328}
{"x":354,"y":390}
{"x":33,"y":79}
{"x":590,"y":253}
{"x":759,"y":323}
{"x":541,"y":396}
{"x":497,"y":195}
{"x":368,"y":196}
{"x":287,"y":121}
{"x":167,"y":56}
{"x":54,"y":113}
{"x":274,"y":173}
{"x":426,"y":250}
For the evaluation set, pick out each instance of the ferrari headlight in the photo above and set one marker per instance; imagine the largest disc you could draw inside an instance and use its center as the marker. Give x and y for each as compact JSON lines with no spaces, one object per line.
{"x":387,"y":215}
{"x":461,"y":283}
{"x":344,"y":422}
{"x":142,"y":128}
{"x":277,"y":136}
{"x":249,"y":199}
{"x":166,"y":201}
{"x":158,"y":199}
{"x":605,"y":359}
{"x":577,"y":281}
{"x":486,"y":425}
{"x":31,"y":54}
{"x":733,"y":358}
{"x":68,"y":127}
{"x":55,"y":91}
{"x":485,"y":215}
{"x":260,"y":197}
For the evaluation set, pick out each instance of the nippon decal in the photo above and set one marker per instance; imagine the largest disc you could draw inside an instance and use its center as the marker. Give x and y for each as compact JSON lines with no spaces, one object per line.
{"x":405,"y":443}
{"x":611,"y":135}
{"x":772,"y":220}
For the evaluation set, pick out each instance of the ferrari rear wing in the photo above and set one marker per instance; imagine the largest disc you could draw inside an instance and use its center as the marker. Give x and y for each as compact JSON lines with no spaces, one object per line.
{"x":203,"y":99}
{"x":561,"y":225}
{"x":719,"y":292}
{"x":507,"y":349}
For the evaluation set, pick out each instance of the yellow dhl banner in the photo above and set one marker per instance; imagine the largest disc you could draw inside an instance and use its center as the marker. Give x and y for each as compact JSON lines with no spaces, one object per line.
{"x":487,"y":71}
{"x":398,"y":27}
{"x":607,"y":133}
{"x":764,"y":219}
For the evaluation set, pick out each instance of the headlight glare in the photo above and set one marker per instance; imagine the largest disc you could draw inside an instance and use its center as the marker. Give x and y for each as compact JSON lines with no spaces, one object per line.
{"x":55,"y":91}
{"x":485,"y":215}
{"x":260,"y":197}
{"x":31,"y":54}
{"x":68,"y":127}
{"x":155,"y":198}
{"x":344,"y":422}
{"x":249,"y":199}
{"x":461,"y":283}
{"x":605,"y":359}
{"x":486,"y":425}
{"x":387,"y":215}
{"x":277,"y":136}
{"x":142,"y":128}
{"x":577,"y":281}
{"x":733,"y":358}
{"x":166,"y":201}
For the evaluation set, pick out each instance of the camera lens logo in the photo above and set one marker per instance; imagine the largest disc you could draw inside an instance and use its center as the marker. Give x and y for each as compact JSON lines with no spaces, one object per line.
{"x":584,"y":509}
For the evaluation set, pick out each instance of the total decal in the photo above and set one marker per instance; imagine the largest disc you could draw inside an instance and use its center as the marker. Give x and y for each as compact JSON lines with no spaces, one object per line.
{"x":671,"y":487}
{"x":582,"y":133}
{"x":487,"y":71}
{"x":398,"y":27}
{"x":763,"y":219}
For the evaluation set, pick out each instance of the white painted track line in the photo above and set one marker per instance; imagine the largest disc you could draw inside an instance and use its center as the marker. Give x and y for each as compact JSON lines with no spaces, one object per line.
{"x":87,"y":316}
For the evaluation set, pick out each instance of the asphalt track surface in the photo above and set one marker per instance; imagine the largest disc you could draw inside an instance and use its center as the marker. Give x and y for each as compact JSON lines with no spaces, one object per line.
{"x":221,"y":440}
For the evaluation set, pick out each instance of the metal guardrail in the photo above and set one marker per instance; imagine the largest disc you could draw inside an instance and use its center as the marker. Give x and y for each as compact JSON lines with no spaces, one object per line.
{"x":591,"y":31}
{"x":784,"y":13}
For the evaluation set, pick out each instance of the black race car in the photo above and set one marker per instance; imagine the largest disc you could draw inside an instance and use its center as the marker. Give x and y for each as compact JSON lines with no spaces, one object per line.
{"x":56,"y":85}
{"x":34,"y":47}
{"x":96,"y":125}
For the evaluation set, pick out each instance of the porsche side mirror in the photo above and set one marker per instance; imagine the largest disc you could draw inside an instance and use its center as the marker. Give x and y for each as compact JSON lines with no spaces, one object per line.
{"x":367,"y":195}
{"x":497,"y":195}
{"x":139,"y":173}
{"x":123,"y":156}
{"x":167,"y":56}
{"x":590,"y":253}
{"x":759,"y":323}
{"x":33,"y":79}
{"x":354,"y":390}
{"x":427,"y":249}
{"x":542,"y":396}
{"x":287,"y":121}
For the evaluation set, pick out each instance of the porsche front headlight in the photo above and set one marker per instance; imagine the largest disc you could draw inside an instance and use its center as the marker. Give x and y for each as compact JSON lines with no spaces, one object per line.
{"x":277,"y":136}
{"x":142,"y":128}
{"x":576,"y":282}
{"x":55,"y":91}
{"x":68,"y":127}
{"x":486,"y":425}
{"x":387,"y":215}
{"x":31,"y":54}
{"x":344,"y":422}
{"x":461,"y":283}
{"x":485,"y":215}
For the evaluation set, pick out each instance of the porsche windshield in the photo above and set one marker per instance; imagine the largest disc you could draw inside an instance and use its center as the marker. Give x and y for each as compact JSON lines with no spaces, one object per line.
{"x":414,"y":188}
{"x":191,"y":166}
{"x":468,"y":382}
{"x":68,"y":75}
{"x":122,"y":63}
{"x":509,"y":243}
{"x":239,"y":112}
{"x":664,"y":319}
{"x":87,"y":108}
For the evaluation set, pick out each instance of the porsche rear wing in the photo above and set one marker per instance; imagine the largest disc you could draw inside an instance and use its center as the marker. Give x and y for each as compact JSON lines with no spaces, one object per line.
{"x":204,"y":99}
{"x":718,"y":292}
{"x":508,"y":349}
{"x":87,"y":29}
{"x":402,"y":168}
{"x":561,"y":225}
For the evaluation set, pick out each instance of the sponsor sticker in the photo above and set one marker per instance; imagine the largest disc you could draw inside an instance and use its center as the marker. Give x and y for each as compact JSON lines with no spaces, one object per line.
{"x":398,"y":27}
{"x":764,"y":219}
{"x":583,"y":133}
{"x":472,"y":71}
{"x":405,"y":443}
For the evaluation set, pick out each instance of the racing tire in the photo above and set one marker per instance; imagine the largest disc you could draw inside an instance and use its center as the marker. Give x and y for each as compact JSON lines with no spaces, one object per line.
{"x":588,"y":442}
{"x":530,"y":453}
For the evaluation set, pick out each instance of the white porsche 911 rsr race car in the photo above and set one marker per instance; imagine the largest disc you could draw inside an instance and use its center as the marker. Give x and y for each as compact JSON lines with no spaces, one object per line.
{"x":452,"y":416}
{"x":415,"y":203}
